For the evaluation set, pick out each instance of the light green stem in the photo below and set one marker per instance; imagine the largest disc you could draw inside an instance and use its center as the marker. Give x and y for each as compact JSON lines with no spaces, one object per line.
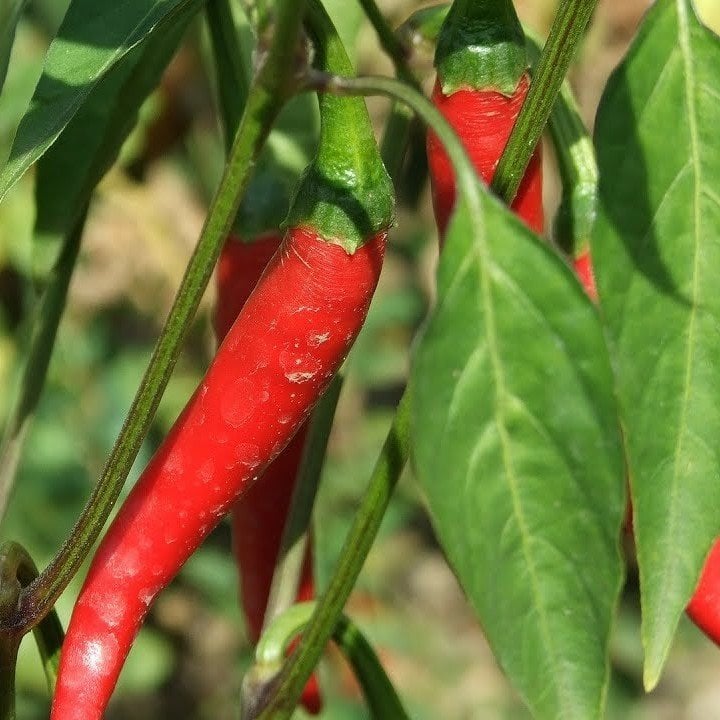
{"x":42,"y":341}
{"x":367,"y":521}
{"x":380,"y":695}
{"x":566,"y":33}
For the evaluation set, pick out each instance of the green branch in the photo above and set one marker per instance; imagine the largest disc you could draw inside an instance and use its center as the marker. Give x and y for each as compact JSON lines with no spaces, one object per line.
{"x":362,"y":534}
{"x":566,"y":33}
{"x":274,"y":83}
{"x":380,"y":695}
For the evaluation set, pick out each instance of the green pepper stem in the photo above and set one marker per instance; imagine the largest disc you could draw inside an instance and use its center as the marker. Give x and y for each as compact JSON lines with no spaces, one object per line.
{"x":46,"y":323}
{"x":345,"y":195}
{"x":481,"y":47}
{"x":283,"y":590}
{"x":379,"y":692}
{"x":274,"y":83}
{"x":566,"y":32}
{"x":367,"y":521}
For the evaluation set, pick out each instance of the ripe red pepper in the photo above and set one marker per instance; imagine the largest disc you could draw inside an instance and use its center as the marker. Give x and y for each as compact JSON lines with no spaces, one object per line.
{"x":586,"y":275}
{"x":483,"y":121}
{"x":481,"y":85}
{"x":258,"y":518}
{"x":279,"y":356}
{"x":290,"y":338}
{"x":704,"y":607}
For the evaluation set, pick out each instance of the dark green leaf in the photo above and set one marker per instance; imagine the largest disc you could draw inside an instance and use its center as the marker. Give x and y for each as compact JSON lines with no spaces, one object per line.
{"x":9,"y":15}
{"x":92,"y":139}
{"x":95,"y":35}
{"x":517,"y":448}
{"x":658,"y":264}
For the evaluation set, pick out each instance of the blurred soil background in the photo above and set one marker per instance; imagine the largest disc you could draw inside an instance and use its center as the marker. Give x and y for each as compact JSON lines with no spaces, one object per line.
{"x":146,"y":216}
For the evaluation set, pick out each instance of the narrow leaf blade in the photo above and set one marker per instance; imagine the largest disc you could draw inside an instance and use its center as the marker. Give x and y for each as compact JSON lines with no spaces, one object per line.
{"x":92,"y":139}
{"x":94,"y":36}
{"x":658,"y":268}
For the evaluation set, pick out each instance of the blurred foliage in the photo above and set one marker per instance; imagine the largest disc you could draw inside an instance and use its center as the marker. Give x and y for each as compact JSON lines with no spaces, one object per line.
{"x":147,"y":213}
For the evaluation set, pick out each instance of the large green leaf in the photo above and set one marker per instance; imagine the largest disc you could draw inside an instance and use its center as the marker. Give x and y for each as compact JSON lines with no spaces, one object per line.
{"x":95,"y":35}
{"x":658,"y":264}
{"x":516,"y":444}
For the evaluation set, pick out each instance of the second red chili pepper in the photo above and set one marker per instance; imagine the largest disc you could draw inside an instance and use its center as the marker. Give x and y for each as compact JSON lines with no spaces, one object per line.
{"x":258,"y":518}
{"x":481,"y":85}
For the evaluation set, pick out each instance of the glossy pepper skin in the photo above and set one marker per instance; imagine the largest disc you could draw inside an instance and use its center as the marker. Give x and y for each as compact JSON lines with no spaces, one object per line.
{"x":482,"y":81}
{"x":483,"y":121}
{"x":704,"y":607}
{"x":278,"y":357}
{"x":586,"y":275}
{"x":259,"y":516}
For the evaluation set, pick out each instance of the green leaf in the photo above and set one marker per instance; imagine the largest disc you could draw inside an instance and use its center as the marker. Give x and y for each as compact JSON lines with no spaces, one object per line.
{"x":95,"y":35}
{"x":658,"y":265}
{"x":517,"y":447}
{"x":91,"y":140}
{"x":9,"y":15}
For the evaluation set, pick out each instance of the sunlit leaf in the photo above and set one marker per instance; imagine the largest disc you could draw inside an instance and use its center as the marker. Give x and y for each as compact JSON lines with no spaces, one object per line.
{"x":658,"y":265}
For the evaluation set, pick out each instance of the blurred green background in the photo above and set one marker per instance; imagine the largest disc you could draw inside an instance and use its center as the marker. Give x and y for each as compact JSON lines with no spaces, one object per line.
{"x":145,"y":218}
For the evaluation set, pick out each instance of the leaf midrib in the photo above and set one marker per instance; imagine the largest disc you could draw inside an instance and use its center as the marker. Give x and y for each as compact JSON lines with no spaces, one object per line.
{"x":481,"y":251}
{"x":670,"y":527}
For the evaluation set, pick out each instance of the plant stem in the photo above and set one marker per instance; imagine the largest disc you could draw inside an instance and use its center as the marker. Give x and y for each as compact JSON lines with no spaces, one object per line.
{"x":274,"y":83}
{"x":232,"y":85}
{"x":575,"y":154}
{"x":283,"y":590}
{"x":403,"y":136}
{"x":17,"y":570}
{"x":390,"y":42}
{"x":357,"y":545}
{"x":46,"y":323}
{"x":8,"y":660}
{"x":565,"y":35}
{"x":381,"y":697}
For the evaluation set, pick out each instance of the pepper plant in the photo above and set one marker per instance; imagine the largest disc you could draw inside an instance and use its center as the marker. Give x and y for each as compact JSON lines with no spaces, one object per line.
{"x":558,"y":416}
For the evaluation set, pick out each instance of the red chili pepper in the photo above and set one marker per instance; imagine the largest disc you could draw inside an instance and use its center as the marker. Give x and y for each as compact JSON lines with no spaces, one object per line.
{"x":586,"y":275}
{"x":290,"y":338}
{"x":279,"y":356}
{"x":483,"y":121}
{"x":258,"y":518}
{"x":704,"y":607}
{"x":481,"y":85}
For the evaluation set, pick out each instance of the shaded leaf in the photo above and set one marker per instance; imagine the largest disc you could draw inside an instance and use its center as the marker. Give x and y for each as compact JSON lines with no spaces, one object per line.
{"x":92,"y":139}
{"x":658,"y":265}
